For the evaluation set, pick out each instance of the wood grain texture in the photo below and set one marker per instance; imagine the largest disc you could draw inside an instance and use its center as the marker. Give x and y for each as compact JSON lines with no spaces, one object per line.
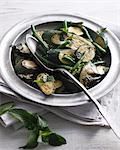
{"x":78,"y":137}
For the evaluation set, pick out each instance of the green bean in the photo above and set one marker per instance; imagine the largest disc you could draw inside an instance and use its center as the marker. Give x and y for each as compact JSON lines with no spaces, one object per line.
{"x":64,"y":44}
{"x":87,"y":33}
{"x":65,"y":27}
{"x":99,"y":62}
{"x":47,"y":62}
{"x":78,"y":69}
{"x":99,"y":47}
{"x":39,"y":38}
{"x":91,"y":40}
{"x":54,"y":51}
{"x":69,"y":59}
{"x":78,"y":63}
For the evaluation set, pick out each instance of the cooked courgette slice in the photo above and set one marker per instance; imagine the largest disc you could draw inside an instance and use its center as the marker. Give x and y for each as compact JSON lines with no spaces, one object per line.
{"x":25,"y":67}
{"x":57,"y":84}
{"x":101,"y":69}
{"x":75,"y":30}
{"x":87,"y":51}
{"x":42,"y":77}
{"x":47,"y":83}
{"x":89,"y":71}
{"x":47,"y":88}
{"x":78,"y":41}
{"x":48,"y":34}
{"x":64,"y":53}
{"x":99,"y":40}
{"x":22,"y":48}
{"x":29,"y":64}
{"x":39,"y":32}
{"x":56,"y":39}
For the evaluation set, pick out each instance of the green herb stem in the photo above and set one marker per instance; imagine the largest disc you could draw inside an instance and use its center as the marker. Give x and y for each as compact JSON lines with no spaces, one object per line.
{"x":99,"y":47}
{"x":87,"y":33}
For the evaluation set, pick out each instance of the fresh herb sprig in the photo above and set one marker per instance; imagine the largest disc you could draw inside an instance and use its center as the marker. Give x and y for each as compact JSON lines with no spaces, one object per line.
{"x":65,"y":27}
{"x":35,"y":124}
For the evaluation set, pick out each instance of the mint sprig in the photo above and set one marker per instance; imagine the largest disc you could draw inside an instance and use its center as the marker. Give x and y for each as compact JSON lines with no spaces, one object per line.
{"x":35,"y":124}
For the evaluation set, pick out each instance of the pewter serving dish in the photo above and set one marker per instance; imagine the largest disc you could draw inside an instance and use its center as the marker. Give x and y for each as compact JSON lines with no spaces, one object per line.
{"x":17,"y":34}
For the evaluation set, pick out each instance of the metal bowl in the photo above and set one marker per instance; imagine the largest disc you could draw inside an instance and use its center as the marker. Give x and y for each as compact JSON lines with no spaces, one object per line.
{"x":16,"y":34}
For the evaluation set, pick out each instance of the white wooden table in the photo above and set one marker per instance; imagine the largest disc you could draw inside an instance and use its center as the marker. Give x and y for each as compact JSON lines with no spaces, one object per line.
{"x":78,"y":137}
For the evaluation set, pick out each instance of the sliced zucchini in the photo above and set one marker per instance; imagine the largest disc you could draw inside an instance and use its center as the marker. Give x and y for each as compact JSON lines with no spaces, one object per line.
{"x":29,"y":64}
{"x":22,"y":48}
{"x":42,"y":77}
{"x":25,"y":67}
{"x":63,"y":53}
{"x":39,"y":32}
{"x":47,"y":83}
{"x":78,"y":41}
{"x":99,"y":40}
{"x":56,"y":39}
{"x":57,"y":84}
{"x":75,"y":30}
{"x":48,"y":88}
{"x":89,"y":71}
{"x":48,"y":34}
{"x":102,"y":69}
{"x":87,"y":51}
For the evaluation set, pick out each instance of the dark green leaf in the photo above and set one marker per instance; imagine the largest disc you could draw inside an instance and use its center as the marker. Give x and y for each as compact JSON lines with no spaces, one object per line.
{"x":101,"y":31}
{"x":51,"y":64}
{"x":65,"y":27}
{"x":53,"y":139}
{"x":64,"y":43}
{"x":36,"y":125}
{"x":50,"y":79}
{"x":69,"y":59}
{"x":42,"y":124}
{"x":56,"y":140}
{"x":42,"y":44}
{"x":78,"y":69}
{"x":29,"y":120}
{"x":45,"y":136}
{"x":78,"y":64}
{"x":38,"y":81}
{"x":47,"y":35}
{"x":99,"y":47}
{"x":87,"y":33}
{"x":6,"y":107}
{"x":32,"y":140}
{"x":52,"y":51}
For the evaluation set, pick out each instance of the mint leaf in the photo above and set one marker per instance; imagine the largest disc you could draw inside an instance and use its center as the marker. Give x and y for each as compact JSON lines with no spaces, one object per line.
{"x":50,"y":79}
{"x":41,"y":123}
{"x":32,"y":140}
{"x":56,"y":140}
{"x":36,"y":124}
{"x":52,"y":138}
{"x":65,"y":27}
{"x":45,"y":136}
{"x":29,"y":120}
{"x":5,"y":107}
{"x":38,"y":81}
